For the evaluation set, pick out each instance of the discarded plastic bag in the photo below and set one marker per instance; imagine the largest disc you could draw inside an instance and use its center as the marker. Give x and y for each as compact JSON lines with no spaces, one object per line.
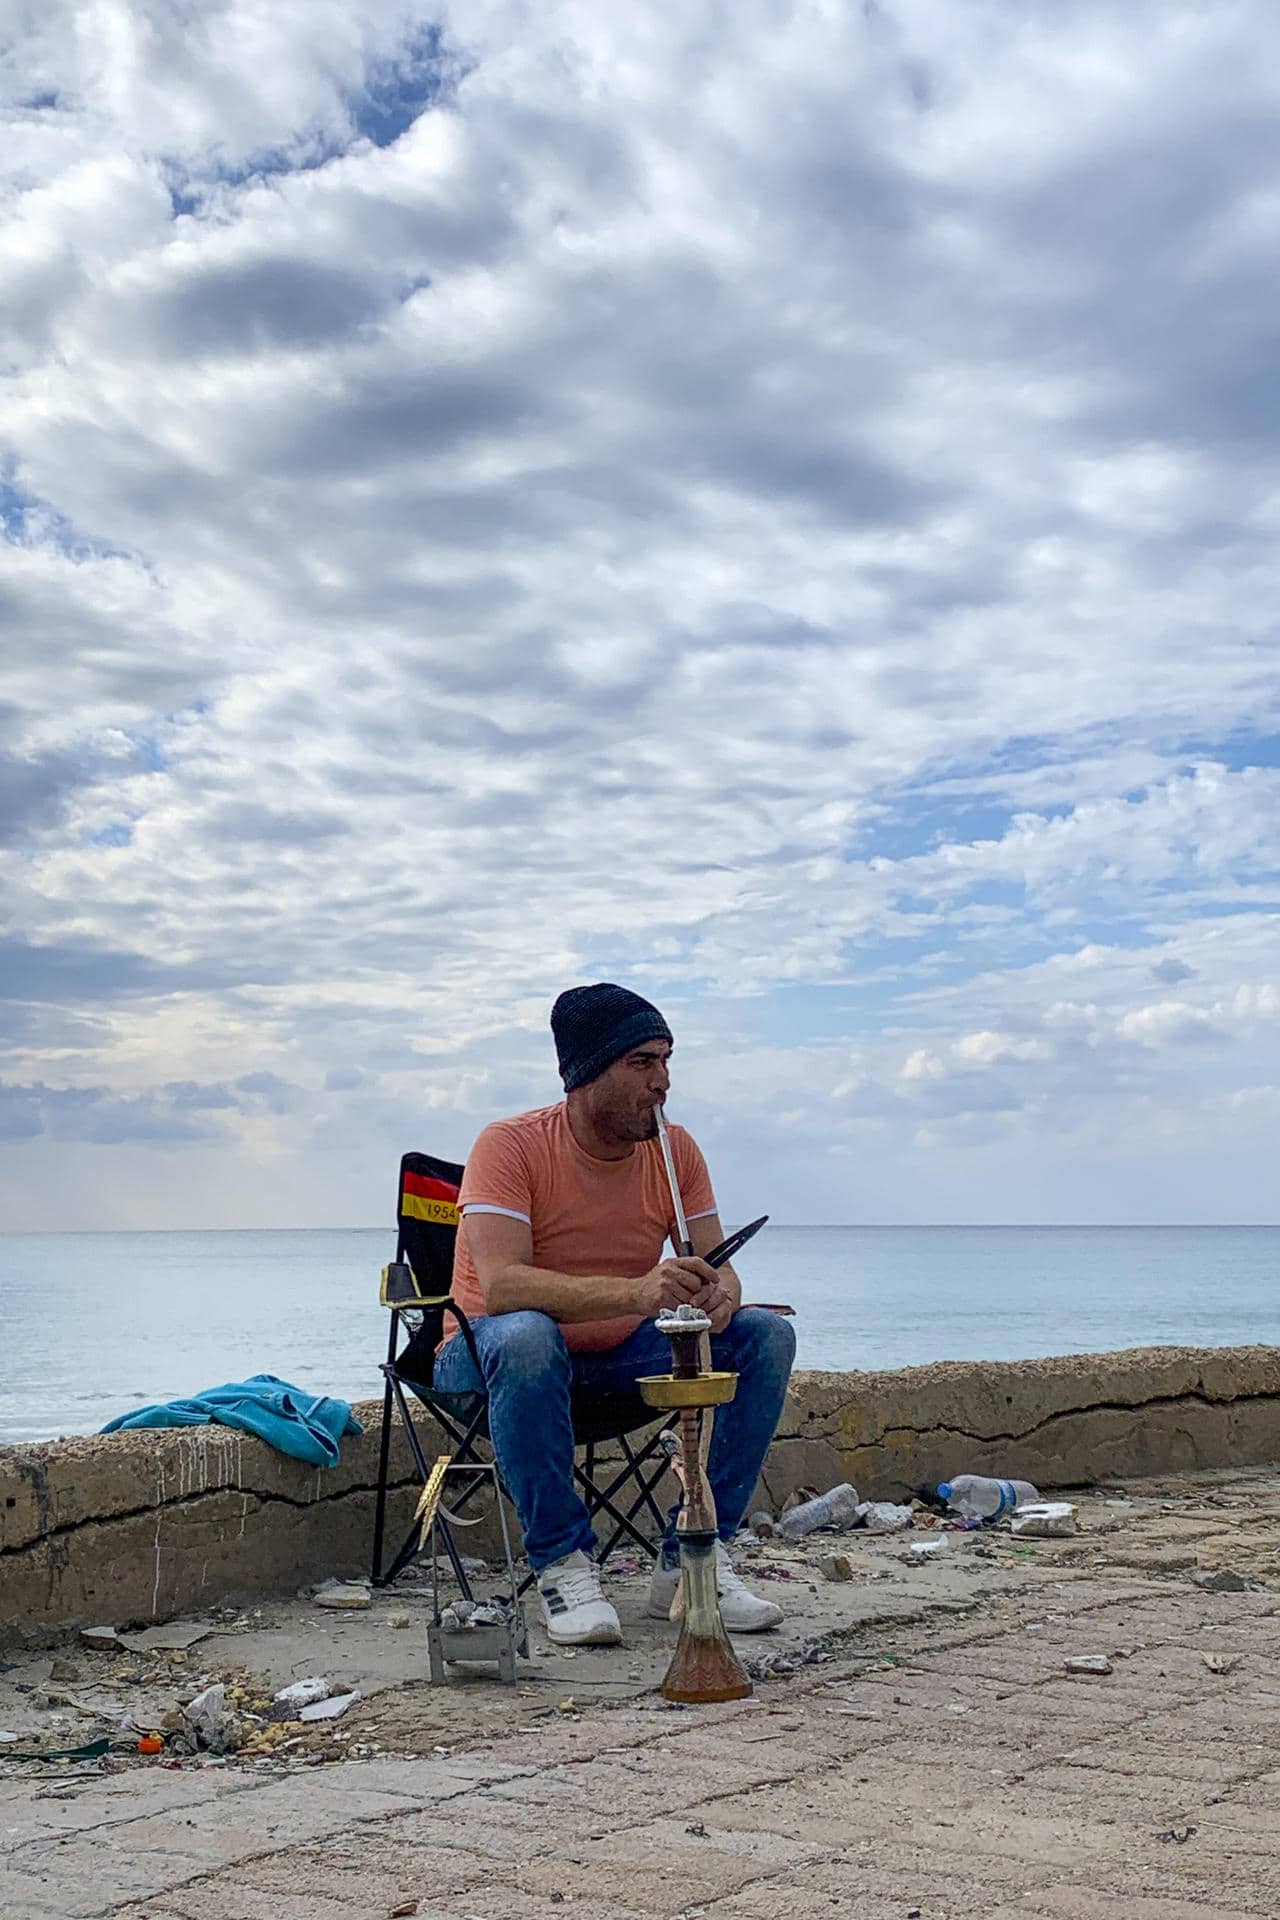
{"x":920,"y":1552}
{"x":207,"y":1715}
{"x":1055,"y":1519}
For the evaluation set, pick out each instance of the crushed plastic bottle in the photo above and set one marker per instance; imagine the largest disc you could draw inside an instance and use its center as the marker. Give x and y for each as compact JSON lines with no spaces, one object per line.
{"x":838,"y":1508}
{"x":975,"y":1497}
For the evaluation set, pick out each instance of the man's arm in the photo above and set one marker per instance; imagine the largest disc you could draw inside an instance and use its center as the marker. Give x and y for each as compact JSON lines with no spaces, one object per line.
{"x":502,"y":1249}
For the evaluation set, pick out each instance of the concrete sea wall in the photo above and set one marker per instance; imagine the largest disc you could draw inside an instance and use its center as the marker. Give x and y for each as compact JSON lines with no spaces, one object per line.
{"x":136,"y":1527}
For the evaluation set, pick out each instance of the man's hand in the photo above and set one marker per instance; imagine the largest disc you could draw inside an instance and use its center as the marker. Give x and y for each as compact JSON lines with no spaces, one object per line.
{"x":674,"y":1283}
{"x":687,"y":1281}
{"x":723,"y":1304}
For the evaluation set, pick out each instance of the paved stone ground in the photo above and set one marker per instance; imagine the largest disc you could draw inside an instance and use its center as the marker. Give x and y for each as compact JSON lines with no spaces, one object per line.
{"x":939,"y":1762}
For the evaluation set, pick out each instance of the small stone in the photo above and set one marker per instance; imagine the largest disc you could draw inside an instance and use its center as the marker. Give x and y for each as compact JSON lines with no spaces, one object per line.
{"x":105,"y":1639}
{"x":836,"y":1566}
{"x":64,"y":1670}
{"x":1088,"y":1663}
{"x":1225,"y":1580}
{"x":344,"y":1595}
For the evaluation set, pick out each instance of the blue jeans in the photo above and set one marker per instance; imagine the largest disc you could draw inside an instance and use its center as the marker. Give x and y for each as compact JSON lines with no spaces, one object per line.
{"x":528,"y":1371}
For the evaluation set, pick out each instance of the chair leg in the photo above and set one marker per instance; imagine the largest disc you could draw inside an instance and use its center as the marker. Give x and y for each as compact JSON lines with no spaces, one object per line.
{"x":601,"y":1501}
{"x":463,"y":1441}
{"x":638,"y":1461}
{"x":384,"y":1460}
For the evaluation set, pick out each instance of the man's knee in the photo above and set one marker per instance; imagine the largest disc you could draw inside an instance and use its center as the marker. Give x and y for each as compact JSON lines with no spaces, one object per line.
{"x":764,"y":1339}
{"x":527,"y":1344}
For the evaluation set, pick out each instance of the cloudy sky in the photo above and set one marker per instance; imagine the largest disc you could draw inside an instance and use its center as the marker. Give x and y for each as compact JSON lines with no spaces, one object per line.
{"x":776,"y":504}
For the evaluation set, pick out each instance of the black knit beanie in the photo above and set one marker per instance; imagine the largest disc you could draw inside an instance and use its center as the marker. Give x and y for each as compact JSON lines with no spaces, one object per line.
{"x":594,"y":1026}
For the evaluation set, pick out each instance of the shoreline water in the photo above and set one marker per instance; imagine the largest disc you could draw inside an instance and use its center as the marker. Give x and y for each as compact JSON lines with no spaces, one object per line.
{"x":146,"y":1316}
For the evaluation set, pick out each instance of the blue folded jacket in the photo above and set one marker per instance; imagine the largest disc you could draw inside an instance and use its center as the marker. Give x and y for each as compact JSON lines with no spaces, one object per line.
{"x":307,"y":1426}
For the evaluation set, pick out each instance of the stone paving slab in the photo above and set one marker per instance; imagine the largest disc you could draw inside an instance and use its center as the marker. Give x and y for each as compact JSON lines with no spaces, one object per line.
{"x":937,"y":1758}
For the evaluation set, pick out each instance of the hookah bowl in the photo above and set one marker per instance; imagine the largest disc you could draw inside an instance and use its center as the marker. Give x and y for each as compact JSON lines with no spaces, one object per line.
{"x":704,"y":1668}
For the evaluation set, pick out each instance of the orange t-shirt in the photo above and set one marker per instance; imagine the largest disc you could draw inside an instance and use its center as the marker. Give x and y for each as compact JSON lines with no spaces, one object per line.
{"x":588,"y":1216}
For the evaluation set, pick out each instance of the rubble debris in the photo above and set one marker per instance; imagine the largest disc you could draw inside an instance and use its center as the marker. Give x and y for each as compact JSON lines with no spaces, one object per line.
{"x":207,"y":1723}
{"x":103,"y":1638}
{"x":1088,"y":1663}
{"x":402,"y":1910}
{"x":344,"y":1595}
{"x":64,"y":1670}
{"x":1054,"y":1519}
{"x":304,"y":1693}
{"x":1221,"y":1662}
{"x":836,"y":1566}
{"x":331,"y":1709}
{"x":175,"y":1637}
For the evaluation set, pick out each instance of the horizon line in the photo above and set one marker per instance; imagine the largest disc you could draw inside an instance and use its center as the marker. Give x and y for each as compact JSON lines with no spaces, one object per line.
{"x":787,"y":1226}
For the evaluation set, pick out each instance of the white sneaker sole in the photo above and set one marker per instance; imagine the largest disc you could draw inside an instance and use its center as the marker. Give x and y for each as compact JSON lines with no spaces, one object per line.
{"x":772,"y":1617}
{"x":603,"y":1635}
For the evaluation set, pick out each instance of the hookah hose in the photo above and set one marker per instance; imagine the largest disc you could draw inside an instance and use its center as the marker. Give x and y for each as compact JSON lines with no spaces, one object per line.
{"x":683,"y":1241}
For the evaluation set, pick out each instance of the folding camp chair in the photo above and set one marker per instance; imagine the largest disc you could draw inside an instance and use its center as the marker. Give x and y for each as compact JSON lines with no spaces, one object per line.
{"x":415,"y":1288}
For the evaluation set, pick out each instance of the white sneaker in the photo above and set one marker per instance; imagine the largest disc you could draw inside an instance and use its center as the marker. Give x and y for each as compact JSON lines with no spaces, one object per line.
{"x":576,"y":1612}
{"x":741,"y":1610}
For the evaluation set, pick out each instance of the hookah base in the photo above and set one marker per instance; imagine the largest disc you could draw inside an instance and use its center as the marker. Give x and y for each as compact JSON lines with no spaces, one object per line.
{"x":704,"y":1671}
{"x":704,"y":1668}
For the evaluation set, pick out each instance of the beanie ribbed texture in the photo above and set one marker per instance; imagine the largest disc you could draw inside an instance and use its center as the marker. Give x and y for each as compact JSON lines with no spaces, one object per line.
{"x":594,"y":1026}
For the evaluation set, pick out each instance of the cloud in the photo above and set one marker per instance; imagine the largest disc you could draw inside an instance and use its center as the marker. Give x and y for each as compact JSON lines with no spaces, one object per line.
{"x":778,"y":510}
{"x":1167,"y":1023}
{"x":97,"y":1116}
{"x":987,"y":1049}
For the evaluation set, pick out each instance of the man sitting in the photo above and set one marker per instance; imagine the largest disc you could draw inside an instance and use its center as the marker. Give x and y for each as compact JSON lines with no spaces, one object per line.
{"x":565,"y":1212}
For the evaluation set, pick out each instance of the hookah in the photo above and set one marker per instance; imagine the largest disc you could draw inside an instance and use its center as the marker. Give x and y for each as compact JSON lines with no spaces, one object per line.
{"x":704,"y":1667}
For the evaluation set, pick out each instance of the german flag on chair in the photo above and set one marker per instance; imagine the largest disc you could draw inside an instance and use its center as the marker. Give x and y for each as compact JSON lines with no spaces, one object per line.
{"x":427,"y":1214}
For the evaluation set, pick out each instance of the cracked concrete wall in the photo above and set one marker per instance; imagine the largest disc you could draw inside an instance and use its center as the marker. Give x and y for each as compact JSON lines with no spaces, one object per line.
{"x":140,"y":1526}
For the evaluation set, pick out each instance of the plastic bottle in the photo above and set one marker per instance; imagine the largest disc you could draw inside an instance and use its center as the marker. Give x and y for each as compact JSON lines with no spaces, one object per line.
{"x":834,"y":1509}
{"x":975,"y":1498}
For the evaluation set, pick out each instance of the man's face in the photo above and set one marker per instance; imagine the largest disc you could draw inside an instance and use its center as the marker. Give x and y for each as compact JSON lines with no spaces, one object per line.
{"x":622,"y":1100}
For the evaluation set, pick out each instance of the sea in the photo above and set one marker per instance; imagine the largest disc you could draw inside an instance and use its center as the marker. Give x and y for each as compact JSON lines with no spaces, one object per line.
{"x":95,"y":1324}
